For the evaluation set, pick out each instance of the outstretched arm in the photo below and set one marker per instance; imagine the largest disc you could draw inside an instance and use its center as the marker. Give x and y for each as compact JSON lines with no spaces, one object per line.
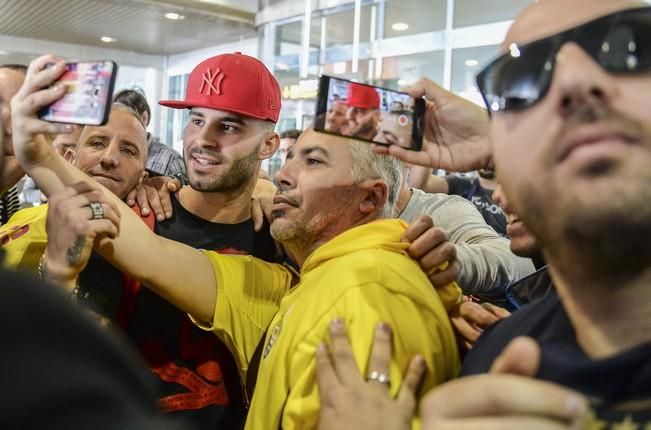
{"x":181,"y":274}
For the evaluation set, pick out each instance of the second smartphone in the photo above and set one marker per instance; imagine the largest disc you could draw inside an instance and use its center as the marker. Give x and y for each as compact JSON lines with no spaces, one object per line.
{"x":369,"y":113}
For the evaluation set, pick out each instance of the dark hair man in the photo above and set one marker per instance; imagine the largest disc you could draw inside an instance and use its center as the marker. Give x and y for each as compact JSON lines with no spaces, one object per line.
{"x":287,"y":139}
{"x":162,"y":160}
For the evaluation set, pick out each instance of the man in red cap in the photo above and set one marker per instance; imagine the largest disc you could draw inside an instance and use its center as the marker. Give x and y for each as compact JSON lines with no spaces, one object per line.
{"x":234,"y":103}
{"x":363,"y":113}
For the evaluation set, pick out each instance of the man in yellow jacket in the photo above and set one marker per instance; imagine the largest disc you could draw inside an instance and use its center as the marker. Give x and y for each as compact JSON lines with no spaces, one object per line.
{"x":333,"y":195}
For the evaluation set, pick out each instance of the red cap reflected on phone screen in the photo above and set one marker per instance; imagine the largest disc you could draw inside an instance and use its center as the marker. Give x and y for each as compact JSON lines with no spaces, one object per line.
{"x":362,"y":96}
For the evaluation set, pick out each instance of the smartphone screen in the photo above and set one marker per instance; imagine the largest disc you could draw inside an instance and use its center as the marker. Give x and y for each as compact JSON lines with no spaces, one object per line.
{"x":369,"y":113}
{"x":89,"y":89}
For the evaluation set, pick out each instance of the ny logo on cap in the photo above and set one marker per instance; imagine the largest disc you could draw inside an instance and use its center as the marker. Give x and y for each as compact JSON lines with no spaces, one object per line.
{"x":208,"y":82}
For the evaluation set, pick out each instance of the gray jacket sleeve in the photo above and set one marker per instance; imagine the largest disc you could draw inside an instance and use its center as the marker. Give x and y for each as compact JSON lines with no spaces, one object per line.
{"x":487,"y":263}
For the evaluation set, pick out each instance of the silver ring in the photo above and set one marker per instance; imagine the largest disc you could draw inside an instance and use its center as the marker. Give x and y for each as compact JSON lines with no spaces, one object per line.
{"x":97,"y":210}
{"x":376,"y":376}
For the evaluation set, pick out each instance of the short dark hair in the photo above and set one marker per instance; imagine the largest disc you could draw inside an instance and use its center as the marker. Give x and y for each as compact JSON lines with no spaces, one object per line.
{"x":15,"y":67}
{"x":290,"y":134}
{"x":135,"y":99}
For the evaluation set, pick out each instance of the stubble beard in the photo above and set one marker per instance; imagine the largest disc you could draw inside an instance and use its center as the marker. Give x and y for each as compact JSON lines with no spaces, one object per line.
{"x":233,"y":178}
{"x":604,"y":233}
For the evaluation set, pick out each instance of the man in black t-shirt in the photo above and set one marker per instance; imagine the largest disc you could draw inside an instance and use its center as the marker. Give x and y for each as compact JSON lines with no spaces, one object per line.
{"x":228,"y":134}
{"x":479,"y":191}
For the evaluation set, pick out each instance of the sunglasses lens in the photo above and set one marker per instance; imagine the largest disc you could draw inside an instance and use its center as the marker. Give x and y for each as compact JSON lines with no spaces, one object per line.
{"x":626,"y":48}
{"x":519,"y":79}
{"x":620,"y":43}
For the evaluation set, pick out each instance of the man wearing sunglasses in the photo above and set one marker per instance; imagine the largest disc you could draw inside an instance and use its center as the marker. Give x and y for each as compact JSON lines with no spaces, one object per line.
{"x":570,"y":129}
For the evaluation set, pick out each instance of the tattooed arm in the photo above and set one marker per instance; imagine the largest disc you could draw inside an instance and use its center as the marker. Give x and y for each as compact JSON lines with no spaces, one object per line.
{"x":72,"y":231}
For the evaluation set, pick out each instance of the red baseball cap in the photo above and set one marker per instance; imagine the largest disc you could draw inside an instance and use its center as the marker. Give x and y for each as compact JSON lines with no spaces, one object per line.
{"x":234,"y":83}
{"x":362,"y":96}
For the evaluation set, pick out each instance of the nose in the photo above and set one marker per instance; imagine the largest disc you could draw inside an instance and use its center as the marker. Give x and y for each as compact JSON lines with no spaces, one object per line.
{"x":578,"y":80}
{"x":285,"y":176}
{"x":110,"y":158}
{"x":207,"y":137}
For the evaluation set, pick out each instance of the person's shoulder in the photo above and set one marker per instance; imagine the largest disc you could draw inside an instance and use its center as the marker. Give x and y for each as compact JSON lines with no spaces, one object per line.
{"x":27,"y":215}
{"x":530,"y":320}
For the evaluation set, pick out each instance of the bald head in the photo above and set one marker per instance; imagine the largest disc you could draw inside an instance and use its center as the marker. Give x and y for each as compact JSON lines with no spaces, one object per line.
{"x":543,"y":18}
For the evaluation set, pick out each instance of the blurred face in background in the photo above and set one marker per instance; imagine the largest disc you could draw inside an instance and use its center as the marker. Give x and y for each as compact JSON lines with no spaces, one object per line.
{"x":336,"y":121}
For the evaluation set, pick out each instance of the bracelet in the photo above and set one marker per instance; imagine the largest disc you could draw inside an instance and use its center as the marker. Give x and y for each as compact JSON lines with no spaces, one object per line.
{"x":40,"y":269}
{"x":42,"y":274}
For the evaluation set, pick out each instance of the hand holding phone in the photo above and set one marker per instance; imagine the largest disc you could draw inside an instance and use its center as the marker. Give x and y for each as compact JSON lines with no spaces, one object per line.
{"x":369,"y":113}
{"x":89,"y":90}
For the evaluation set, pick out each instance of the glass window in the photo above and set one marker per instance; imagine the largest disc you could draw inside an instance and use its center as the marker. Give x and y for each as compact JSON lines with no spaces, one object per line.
{"x":176,"y":118}
{"x":288,"y":51}
{"x":466,"y":63}
{"x":407,"y":69}
{"x":288,"y":38}
{"x":467,"y":12}
{"x":404,"y":17}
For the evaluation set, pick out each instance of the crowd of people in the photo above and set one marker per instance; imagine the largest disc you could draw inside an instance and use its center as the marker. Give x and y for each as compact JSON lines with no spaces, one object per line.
{"x":354,"y":289}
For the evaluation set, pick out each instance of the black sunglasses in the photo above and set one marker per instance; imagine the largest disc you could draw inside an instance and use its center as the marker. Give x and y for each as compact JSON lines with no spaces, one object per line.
{"x":620,"y":43}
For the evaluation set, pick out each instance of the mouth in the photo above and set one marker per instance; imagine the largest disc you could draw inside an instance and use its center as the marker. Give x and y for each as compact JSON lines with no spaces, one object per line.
{"x":203,"y":162}
{"x":596,"y":141}
{"x":281,"y":202}
{"x":515,"y":227}
{"x":104,"y":176}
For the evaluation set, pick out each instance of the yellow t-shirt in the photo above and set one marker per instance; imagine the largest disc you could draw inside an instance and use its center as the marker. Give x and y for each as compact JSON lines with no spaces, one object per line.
{"x":24,"y":238}
{"x":363,"y":276}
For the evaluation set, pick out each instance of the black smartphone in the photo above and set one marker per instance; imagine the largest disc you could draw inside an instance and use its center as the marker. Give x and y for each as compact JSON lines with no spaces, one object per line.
{"x":369,"y":113}
{"x":89,"y":90}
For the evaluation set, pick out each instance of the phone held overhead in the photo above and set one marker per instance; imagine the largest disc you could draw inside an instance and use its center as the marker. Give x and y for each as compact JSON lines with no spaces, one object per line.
{"x":369,"y":113}
{"x":89,"y":89}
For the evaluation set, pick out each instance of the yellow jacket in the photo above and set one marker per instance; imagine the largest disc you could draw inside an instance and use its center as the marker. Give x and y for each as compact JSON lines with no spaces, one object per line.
{"x":362,"y":276}
{"x":24,"y":238}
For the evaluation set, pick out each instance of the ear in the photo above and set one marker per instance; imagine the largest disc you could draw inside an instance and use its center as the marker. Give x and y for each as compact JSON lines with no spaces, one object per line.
{"x":144,"y":118}
{"x":269,"y":146}
{"x":70,"y":156}
{"x":144,"y":175}
{"x":375,"y":195}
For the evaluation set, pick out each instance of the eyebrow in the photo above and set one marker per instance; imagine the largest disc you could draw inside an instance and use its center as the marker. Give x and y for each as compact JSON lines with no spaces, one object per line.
{"x":233,"y":118}
{"x":307,"y":151}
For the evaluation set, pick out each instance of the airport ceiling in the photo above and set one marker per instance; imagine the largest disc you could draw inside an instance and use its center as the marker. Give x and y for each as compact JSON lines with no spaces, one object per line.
{"x":139,"y":26}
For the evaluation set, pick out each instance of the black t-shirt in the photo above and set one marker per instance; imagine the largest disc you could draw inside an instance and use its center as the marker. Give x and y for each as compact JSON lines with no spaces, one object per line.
{"x":198,"y":378}
{"x":61,"y":371}
{"x":482,"y":198}
{"x":619,"y":387}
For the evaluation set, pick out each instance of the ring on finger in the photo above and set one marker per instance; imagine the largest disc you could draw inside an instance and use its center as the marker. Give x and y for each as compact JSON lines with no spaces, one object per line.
{"x":97,"y":210}
{"x":380,"y":377}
